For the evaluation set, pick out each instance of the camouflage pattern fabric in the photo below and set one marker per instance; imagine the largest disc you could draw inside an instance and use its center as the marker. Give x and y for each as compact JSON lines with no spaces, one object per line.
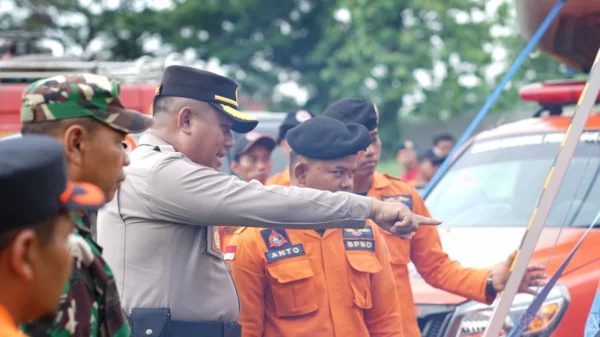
{"x":80,"y":95}
{"x":90,"y":305}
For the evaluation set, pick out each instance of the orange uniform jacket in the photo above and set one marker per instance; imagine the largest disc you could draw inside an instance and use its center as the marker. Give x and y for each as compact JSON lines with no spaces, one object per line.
{"x":425,"y":251}
{"x":282,"y":178}
{"x":8,"y":326}
{"x":225,"y":235}
{"x":296,"y":283}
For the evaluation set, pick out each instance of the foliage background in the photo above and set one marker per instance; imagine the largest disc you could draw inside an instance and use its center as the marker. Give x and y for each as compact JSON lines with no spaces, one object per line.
{"x":429,"y":60}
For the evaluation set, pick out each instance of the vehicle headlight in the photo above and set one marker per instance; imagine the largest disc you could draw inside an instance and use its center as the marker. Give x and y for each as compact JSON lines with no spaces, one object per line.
{"x":472,"y":318}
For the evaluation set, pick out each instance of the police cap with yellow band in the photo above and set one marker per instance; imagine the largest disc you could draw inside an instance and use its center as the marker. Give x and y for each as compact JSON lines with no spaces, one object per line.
{"x":218,"y":91}
{"x":354,"y":110}
{"x":326,"y":138}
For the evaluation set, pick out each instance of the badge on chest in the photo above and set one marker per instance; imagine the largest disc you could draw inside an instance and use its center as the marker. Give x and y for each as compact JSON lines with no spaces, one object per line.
{"x":366,"y":232}
{"x":279,"y":245}
{"x":403,"y":198}
{"x":359,"y":239}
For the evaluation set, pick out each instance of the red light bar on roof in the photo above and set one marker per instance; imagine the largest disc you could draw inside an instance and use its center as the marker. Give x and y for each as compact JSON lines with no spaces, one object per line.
{"x":565,"y":92}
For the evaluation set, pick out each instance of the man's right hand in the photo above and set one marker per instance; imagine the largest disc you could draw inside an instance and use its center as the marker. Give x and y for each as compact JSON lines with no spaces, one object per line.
{"x":398,"y":219}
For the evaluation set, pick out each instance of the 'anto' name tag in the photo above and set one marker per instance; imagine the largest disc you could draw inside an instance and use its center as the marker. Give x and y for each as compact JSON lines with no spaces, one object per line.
{"x":282,"y":253}
{"x":360,"y":245}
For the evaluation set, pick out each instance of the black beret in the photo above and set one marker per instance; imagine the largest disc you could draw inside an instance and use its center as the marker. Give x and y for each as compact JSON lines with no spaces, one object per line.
{"x":201,"y":85}
{"x":291,"y":120}
{"x":244,"y":142}
{"x":34,"y":184}
{"x":327,"y":138}
{"x":353,"y":110}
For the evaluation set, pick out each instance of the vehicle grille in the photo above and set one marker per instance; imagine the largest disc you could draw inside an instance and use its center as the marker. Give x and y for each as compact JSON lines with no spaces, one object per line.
{"x":435,"y":325}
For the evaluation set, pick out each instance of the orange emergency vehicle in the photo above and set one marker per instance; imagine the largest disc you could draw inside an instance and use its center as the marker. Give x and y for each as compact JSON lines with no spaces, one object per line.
{"x":138,"y":78}
{"x":485,"y":199}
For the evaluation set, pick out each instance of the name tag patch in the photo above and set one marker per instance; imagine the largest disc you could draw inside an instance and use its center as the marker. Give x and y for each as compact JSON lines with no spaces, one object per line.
{"x":282,"y":253}
{"x":403,"y":198}
{"x":366,"y":232}
{"x":360,"y":245}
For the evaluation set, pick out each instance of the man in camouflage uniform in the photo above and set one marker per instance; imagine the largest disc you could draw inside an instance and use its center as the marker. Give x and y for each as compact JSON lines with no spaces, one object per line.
{"x":84,"y":112}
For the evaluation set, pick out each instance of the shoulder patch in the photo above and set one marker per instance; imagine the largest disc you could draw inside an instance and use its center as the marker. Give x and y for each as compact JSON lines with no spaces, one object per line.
{"x":229,"y":253}
{"x":403,"y":198}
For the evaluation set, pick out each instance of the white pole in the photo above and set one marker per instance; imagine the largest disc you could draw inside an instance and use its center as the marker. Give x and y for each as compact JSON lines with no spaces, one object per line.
{"x":540,"y":213}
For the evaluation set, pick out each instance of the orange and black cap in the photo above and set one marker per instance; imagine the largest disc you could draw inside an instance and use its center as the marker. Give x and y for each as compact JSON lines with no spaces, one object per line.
{"x":244,"y":142}
{"x":34,"y":184}
{"x":291,"y":120}
{"x":218,"y":91}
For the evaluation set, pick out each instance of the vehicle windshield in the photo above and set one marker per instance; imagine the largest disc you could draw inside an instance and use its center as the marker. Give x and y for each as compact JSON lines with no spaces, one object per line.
{"x":498,"y":182}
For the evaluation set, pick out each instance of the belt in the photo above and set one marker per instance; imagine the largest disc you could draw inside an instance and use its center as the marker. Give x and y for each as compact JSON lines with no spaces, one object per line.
{"x":156,"y":322}
{"x":205,"y":329}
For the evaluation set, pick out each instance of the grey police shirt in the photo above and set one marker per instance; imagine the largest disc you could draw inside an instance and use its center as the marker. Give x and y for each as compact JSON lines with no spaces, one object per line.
{"x":158,"y":238}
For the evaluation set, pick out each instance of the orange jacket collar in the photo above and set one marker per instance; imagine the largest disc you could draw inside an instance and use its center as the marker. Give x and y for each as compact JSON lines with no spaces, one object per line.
{"x":6,"y":319}
{"x":380,"y":181}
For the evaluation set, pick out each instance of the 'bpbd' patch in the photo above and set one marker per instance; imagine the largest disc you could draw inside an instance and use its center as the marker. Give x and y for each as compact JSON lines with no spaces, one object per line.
{"x":360,"y":245}
{"x":275,"y":238}
{"x":366,"y":232}
{"x":403,"y":198}
{"x":283,"y":253}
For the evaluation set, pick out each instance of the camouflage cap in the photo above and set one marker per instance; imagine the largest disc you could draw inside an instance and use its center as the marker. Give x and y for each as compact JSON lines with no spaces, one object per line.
{"x":80,"y":95}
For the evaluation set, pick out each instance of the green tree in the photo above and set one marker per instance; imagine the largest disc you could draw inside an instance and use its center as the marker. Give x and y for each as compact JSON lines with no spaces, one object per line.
{"x":417,"y":59}
{"x":374,"y":54}
{"x":124,"y":29}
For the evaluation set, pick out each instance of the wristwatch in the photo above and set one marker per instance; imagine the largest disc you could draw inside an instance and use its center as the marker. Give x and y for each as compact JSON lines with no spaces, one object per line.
{"x":489,"y":287}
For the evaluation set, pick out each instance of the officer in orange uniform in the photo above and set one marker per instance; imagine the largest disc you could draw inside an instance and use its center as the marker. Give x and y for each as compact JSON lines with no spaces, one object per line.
{"x":35,"y":200}
{"x":425,"y":248}
{"x":251,"y":160}
{"x":333,"y":283}
{"x":291,"y":120}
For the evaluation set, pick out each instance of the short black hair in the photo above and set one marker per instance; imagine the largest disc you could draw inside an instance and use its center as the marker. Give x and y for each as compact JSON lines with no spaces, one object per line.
{"x":442,"y":137}
{"x":44,"y":229}
{"x":161,"y":105}
{"x":53,"y":127}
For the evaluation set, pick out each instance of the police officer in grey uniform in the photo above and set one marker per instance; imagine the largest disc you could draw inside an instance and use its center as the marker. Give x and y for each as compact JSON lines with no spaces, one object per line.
{"x":158,"y":232}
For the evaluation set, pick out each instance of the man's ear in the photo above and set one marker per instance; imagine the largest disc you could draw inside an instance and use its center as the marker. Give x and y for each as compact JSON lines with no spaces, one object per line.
{"x":74,"y":141}
{"x":184,"y":120}
{"x":20,"y":253}
{"x":299,"y":172}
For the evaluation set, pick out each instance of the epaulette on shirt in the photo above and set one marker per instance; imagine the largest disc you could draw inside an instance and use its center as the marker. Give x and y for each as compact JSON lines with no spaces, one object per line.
{"x":240,"y":230}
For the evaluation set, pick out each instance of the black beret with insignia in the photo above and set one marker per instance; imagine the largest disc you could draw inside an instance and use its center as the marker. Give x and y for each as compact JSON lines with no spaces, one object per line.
{"x":291,"y":120}
{"x":201,"y":85}
{"x":326,"y":138}
{"x":354,"y":110}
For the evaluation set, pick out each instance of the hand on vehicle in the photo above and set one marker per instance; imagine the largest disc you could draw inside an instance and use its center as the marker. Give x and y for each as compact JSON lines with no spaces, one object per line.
{"x":534,"y":277}
{"x":398,"y":219}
